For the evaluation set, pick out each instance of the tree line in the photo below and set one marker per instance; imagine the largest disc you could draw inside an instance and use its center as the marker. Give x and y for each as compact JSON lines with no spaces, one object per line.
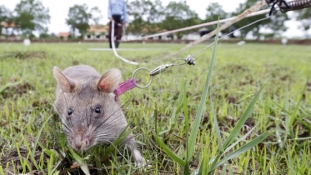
{"x":146,"y":17}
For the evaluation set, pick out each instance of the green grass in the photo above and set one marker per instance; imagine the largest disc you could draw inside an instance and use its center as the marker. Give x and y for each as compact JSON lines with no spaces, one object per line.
{"x":31,"y":138}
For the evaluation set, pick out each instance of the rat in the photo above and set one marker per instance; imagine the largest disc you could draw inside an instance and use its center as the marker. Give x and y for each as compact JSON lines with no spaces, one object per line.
{"x":89,"y":112}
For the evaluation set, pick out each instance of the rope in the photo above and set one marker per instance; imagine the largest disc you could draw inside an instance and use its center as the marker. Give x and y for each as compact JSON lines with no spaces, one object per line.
{"x":204,"y":24}
{"x":254,"y":8}
{"x":268,"y":17}
{"x":252,"y":11}
{"x":114,"y":48}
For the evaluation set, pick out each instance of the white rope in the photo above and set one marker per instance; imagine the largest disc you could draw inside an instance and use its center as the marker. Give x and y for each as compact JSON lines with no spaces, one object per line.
{"x":114,"y":48}
{"x":268,"y":17}
{"x":249,"y":11}
{"x":206,"y":24}
{"x":252,"y":11}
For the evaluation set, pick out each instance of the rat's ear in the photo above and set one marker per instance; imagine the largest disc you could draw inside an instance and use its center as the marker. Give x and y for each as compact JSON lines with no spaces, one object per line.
{"x":110,"y":80}
{"x":66,"y":84}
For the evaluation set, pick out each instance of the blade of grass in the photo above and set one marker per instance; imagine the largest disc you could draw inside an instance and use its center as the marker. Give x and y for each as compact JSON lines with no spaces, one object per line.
{"x":242,"y":149}
{"x":36,"y":143}
{"x":240,"y":139}
{"x":169,"y":152}
{"x":298,"y":104}
{"x":306,"y":124}
{"x":197,"y":121}
{"x":241,"y":122}
{"x":278,"y":135}
{"x":174,"y":117}
{"x":172,"y":121}
{"x":84,"y":167}
{"x":113,"y":146}
{"x":216,"y":125}
{"x":203,"y":166}
{"x":287,"y":115}
{"x":2,"y":88}
{"x":56,"y":173}
{"x":181,"y":102}
{"x":186,"y":119}
{"x":290,"y":162}
{"x":155,"y":115}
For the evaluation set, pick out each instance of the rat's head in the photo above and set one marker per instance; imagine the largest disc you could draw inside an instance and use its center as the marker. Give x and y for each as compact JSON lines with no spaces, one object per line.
{"x":87,"y":107}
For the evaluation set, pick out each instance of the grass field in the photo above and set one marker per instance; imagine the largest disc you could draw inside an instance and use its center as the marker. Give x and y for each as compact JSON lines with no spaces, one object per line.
{"x":32,"y":142}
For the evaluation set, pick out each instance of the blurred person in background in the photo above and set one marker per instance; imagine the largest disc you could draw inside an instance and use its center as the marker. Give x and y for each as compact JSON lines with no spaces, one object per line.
{"x":117,"y":13}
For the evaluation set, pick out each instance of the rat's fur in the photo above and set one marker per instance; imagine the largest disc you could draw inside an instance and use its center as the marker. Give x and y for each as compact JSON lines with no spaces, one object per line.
{"x":88,"y":110}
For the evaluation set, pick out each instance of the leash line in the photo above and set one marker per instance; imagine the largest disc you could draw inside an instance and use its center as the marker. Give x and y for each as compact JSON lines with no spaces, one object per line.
{"x":262,"y":19}
{"x":190,"y":58}
{"x":204,"y":24}
{"x":253,"y":8}
{"x":114,"y":48}
{"x":252,"y":11}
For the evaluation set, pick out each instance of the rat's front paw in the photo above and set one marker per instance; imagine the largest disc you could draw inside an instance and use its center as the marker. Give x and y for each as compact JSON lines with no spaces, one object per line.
{"x":139,"y":160}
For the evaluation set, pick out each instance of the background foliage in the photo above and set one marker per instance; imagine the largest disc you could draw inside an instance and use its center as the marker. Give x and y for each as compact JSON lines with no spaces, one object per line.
{"x":146,"y":17}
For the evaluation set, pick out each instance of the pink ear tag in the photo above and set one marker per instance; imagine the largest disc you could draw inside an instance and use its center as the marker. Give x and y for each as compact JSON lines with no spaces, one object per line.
{"x":124,"y":87}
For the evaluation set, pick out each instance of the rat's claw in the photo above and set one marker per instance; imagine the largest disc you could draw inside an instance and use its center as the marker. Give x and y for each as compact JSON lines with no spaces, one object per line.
{"x":144,"y":165}
{"x":140,"y":163}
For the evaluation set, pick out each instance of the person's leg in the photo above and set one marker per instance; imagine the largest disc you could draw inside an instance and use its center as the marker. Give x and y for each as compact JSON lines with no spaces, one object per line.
{"x":117,"y":24}
{"x":118,"y":29}
{"x":119,"y":34}
{"x":109,"y":35}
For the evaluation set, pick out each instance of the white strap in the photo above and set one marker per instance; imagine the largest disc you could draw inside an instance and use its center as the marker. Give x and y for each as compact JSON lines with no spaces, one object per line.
{"x":114,"y":48}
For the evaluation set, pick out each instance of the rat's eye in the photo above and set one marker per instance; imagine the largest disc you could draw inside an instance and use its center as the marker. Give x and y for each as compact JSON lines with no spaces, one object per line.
{"x":97,"y":110}
{"x":70,"y":111}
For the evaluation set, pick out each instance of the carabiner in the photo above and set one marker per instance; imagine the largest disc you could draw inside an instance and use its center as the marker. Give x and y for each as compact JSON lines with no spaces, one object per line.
{"x":159,"y":69}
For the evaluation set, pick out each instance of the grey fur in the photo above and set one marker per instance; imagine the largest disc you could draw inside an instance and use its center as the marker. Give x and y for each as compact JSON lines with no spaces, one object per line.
{"x":80,"y":90}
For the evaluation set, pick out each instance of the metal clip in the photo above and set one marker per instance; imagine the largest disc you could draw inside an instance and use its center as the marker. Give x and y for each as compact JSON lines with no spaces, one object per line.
{"x":159,"y":69}
{"x":190,"y":60}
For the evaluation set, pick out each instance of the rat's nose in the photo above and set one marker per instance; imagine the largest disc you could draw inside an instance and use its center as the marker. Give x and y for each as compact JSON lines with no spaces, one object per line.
{"x":81,"y":142}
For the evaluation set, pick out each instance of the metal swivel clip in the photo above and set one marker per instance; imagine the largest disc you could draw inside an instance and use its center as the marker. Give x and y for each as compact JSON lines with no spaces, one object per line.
{"x":189,"y":60}
{"x":159,"y":69}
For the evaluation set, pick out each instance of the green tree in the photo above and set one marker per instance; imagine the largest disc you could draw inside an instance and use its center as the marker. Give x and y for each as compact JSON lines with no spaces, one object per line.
{"x":5,"y":16}
{"x":303,"y":16}
{"x":137,"y":26}
{"x":275,"y":25}
{"x":146,"y":16}
{"x":179,"y":15}
{"x":213,"y":12}
{"x":96,"y":15}
{"x":31,"y":16}
{"x":79,"y":17}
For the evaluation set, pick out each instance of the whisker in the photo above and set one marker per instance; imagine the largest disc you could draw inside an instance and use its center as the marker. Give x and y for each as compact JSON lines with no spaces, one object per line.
{"x":67,"y":119}
{"x":60,"y":113}
{"x":111,"y":125}
{"x":109,"y":116}
{"x":88,"y":118}
{"x":99,"y":96}
{"x":67,"y":128}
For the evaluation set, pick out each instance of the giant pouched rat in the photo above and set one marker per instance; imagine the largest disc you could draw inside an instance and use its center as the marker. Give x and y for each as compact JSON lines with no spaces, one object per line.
{"x":89,"y":112}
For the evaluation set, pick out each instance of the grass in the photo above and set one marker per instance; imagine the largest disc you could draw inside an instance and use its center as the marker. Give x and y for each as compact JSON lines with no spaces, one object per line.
{"x":32,"y":142}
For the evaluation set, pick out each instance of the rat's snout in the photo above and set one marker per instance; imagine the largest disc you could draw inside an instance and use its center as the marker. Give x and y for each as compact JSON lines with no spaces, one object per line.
{"x":81,"y":142}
